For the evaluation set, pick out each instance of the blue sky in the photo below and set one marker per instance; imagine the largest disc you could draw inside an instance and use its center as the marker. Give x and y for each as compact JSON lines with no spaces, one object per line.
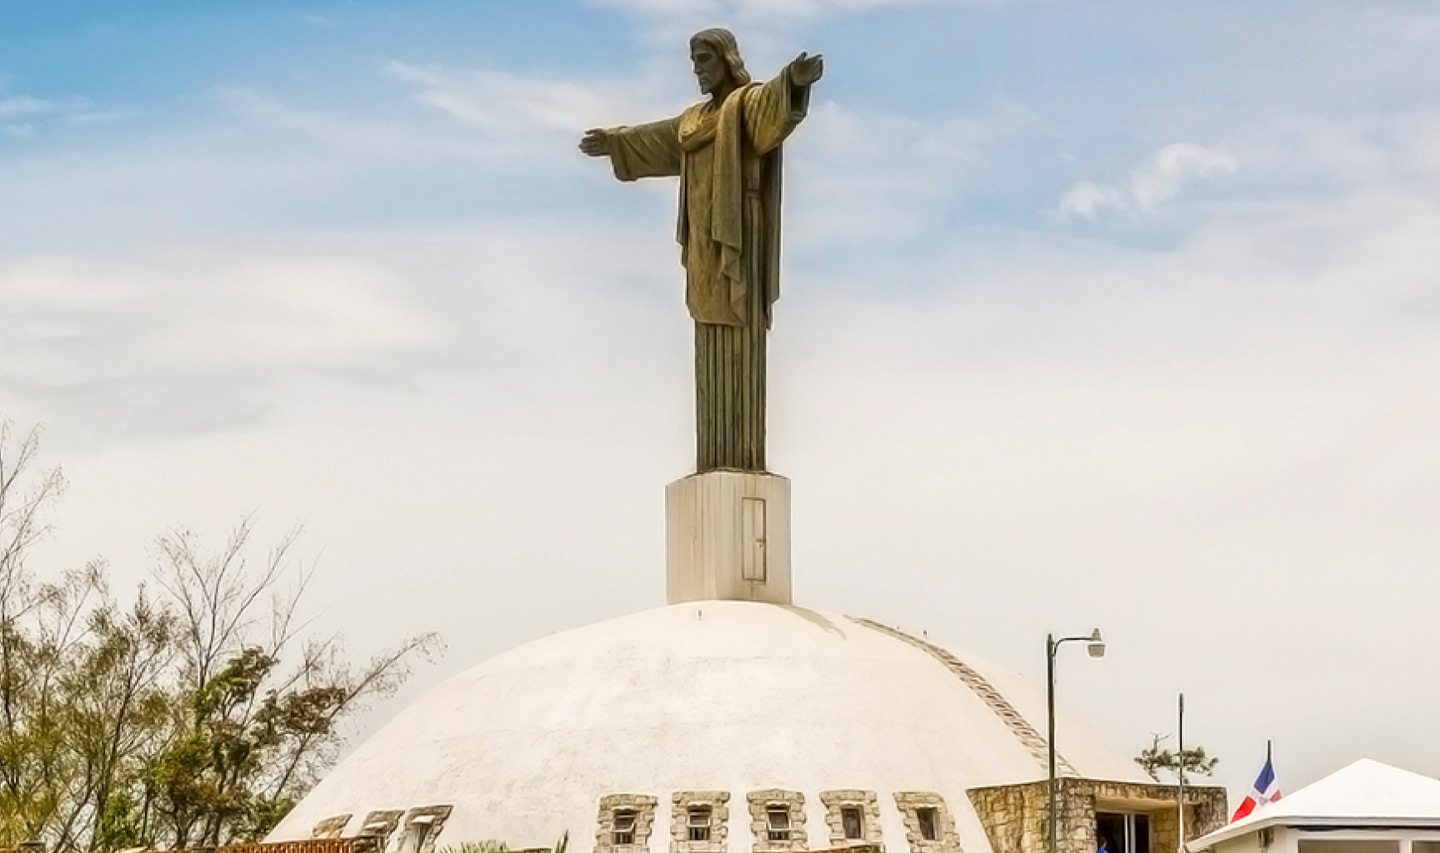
{"x":1132,"y":302}
{"x":1098,"y":86}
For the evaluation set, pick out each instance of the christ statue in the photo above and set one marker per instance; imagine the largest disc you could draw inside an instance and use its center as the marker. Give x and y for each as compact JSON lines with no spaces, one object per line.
{"x":726,"y":152}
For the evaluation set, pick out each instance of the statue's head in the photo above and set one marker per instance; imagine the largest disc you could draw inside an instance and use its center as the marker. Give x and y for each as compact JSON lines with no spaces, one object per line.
{"x":716,"y":58}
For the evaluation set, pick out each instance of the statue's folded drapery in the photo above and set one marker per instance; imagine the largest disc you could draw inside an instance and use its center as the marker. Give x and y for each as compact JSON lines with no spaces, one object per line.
{"x":728,"y":160}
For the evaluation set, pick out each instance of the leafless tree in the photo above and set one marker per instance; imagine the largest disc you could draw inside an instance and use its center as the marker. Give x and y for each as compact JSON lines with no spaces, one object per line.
{"x":196,"y":715}
{"x":285,"y":695}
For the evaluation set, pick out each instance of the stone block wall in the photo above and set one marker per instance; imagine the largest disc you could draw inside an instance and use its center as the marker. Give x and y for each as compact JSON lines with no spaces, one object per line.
{"x":1016,"y":817}
{"x":680,"y":804}
{"x":946,"y":840}
{"x":760,"y":803}
{"x":378,"y":826}
{"x":869,"y":807}
{"x":427,"y":821}
{"x":331,"y":827}
{"x":643,"y":806}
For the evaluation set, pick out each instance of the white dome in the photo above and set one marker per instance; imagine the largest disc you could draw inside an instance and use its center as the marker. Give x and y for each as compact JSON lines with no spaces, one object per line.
{"x":714,"y":695}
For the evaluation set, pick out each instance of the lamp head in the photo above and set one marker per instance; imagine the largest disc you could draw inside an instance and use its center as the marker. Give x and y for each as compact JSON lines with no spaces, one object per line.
{"x":1096,"y":646}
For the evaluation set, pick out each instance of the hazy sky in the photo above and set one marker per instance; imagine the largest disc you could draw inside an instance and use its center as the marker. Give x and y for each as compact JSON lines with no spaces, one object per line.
{"x":1120,"y":313}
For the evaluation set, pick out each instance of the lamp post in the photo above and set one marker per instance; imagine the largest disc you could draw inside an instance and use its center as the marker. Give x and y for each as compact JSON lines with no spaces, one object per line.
{"x":1096,"y":647}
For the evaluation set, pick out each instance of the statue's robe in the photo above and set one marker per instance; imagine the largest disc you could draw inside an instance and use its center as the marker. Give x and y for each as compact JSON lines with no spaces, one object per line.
{"x":728,"y":160}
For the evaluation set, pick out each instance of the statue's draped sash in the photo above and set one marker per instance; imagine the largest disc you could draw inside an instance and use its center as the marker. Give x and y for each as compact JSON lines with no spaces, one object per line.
{"x":728,"y":160}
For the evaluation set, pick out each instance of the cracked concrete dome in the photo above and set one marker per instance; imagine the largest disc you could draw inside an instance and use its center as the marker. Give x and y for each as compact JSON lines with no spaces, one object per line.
{"x":702,"y":727}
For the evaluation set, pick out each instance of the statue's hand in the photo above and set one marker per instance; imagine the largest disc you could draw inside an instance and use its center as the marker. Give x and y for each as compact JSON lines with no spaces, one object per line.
{"x":805,"y":70}
{"x":596,"y":142}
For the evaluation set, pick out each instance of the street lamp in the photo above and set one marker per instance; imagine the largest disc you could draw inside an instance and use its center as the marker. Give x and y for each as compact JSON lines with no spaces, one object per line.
{"x":1095,"y":646}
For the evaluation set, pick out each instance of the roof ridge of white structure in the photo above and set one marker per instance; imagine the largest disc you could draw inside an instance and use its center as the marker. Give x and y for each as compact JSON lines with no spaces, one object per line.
{"x":1363,"y":788}
{"x":1364,"y":792}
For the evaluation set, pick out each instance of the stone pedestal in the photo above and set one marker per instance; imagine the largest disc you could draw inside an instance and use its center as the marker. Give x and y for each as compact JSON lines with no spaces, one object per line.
{"x":727,"y":536}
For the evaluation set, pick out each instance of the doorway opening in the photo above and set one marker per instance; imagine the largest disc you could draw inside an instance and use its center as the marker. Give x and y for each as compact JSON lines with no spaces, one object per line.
{"x":1122,"y":832}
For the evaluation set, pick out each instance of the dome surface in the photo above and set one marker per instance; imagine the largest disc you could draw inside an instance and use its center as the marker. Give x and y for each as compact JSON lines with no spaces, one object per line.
{"x":720,"y":696}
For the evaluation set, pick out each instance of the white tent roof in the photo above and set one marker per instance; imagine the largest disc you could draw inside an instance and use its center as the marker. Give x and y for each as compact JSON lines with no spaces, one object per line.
{"x":1365,"y":793}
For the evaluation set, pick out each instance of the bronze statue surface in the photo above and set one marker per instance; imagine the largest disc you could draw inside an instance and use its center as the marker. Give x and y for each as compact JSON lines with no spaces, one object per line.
{"x":726,"y":152}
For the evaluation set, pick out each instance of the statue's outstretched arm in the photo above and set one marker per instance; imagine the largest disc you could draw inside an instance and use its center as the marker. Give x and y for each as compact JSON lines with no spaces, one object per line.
{"x":642,"y":151}
{"x":805,"y":70}
{"x":773,"y":109}
{"x":596,"y":142}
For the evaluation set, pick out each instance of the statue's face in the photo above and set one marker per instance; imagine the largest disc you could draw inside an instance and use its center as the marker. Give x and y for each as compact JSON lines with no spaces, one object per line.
{"x":709,"y":68}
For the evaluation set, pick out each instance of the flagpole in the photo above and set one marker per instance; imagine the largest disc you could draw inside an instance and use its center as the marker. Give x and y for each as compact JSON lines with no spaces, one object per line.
{"x":1180,"y":808}
{"x":1262,"y":791}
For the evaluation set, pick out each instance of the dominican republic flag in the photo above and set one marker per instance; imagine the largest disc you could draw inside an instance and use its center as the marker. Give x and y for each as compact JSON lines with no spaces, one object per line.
{"x":1263,"y":791}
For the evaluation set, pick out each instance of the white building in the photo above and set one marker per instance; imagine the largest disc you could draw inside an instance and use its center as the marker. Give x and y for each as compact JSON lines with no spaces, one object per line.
{"x":732,"y":720}
{"x":1367,"y":807}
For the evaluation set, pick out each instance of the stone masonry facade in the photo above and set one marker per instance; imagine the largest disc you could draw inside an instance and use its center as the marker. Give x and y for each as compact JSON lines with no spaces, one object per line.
{"x":378,"y":826}
{"x":760,"y":804}
{"x":331,"y":827}
{"x":680,"y":804}
{"x":428,"y":821}
{"x":869,"y":805}
{"x":1015,"y":817}
{"x":641,"y":805}
{"x":910,"y":803}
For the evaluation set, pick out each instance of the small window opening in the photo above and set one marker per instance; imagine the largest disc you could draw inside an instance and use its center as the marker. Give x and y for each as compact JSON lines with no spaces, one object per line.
{"x":415,"y":838}
{"x":778,"y":820}
{"x":698,"y":821}
{"x":925,"y":816}
{"x":853,"y":821}
{"x":378,"y":831}
{"x":624,"y":827}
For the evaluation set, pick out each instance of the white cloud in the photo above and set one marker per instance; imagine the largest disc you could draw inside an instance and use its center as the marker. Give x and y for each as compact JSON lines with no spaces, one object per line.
{"x":859,"y":173}
{"x":1086,"y":200}
{"x":1416,"y":25}
{"x":27,"y":115}
{"x":1175,"y":166}
{"x":869,"y":176}
{"x":515,"y":104}
{"x":224,"y":334}
{"x":770,"y":9}
{"x":90,"y":116}
{"x":1328,"y":155}
{"x":358,"y":138}
{"x":1153,"y":185}
{"x":205,"y":335}
{"x":17,"y":106}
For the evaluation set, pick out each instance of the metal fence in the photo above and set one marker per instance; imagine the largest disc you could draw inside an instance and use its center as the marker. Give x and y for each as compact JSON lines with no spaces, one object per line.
{"x":310,"y":845}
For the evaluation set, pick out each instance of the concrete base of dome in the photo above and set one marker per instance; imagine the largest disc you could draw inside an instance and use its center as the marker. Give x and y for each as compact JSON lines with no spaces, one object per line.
{"x":727,"y":536}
